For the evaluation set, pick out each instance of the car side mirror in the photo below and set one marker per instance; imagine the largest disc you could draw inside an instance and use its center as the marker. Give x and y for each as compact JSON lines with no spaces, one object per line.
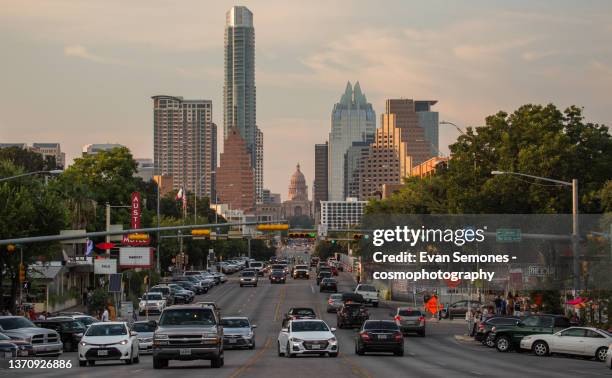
{"x":254,"y":326}
{"x":284,"y":329}
{"x":333,"y":329}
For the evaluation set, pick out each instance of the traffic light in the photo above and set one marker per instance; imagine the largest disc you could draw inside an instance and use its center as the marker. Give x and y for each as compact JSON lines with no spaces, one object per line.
{"x":273,"y":227}
{"x":11,"y":248}
{"x":138,"y":236}
{"x":302,"y":235}
{"x":201,"y":232}
{"x":21,"y":273}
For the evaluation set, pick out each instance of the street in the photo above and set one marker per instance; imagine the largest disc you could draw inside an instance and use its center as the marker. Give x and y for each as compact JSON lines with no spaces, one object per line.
{"x":439,"y":354}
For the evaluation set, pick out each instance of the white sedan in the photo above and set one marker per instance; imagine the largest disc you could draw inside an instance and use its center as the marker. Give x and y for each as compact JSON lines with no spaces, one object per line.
{"x":307,"y":336}
{"x":151,"y":302}
{"x":584,"y":341}
{"x":108,"y":341}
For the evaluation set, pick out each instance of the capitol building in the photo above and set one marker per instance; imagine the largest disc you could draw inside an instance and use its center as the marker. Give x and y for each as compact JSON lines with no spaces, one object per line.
{"x":297,"y":203}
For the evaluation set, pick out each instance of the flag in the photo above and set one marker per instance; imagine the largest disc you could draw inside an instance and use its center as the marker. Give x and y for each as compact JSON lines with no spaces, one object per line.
{"x":90,"y":247}
{"x":179,"y":194}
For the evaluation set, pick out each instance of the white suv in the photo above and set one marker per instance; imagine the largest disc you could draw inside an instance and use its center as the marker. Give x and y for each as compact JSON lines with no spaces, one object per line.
{"x":307,"y":336}
{"x":368,"y":292}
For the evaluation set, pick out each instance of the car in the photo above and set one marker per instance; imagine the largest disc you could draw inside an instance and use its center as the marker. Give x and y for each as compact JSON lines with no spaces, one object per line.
{"x":609,"y":357}
{"x":46,"y":342}
{"x":351,"y":315}
{"x":145,"y":330}
{"x":379,"y":336}
{"x":258,"y":266}
{"x":328,"y":284}
{"x":307,"y":336}
{"x":166,"y":292}
{"x":300,"y":313}
{"x":70,"y":331}
{"x":278,"y":276}
{"x":188,"y":332}
{"x":183,"y":295}
{"x":187,"y":285}
{"x":409,"y":319}
{"x":248,"y":278}
{"x":200,"y":284}
{"x":238,"y":332}
{"x":352,"y":298}
{"x":106,"y":341}
{"x":581,"y":341}
{"x":86,"y":320}
{"x":509,"y":337}
{"x":483,"y":330}
{"x":301,"y":271}
{"x":334,"y":270}
{"x":325,"y":269}
{"x":24,"y":348}
{"x":323,"y":275}
{"x":369,"y":293}
{"x":314,"y":262}
{"x":151,"y":302}
{"x":459,"y":308}
{"x":334,"y":302}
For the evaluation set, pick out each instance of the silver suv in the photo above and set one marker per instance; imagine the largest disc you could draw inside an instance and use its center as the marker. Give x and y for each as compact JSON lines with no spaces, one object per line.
{"x":46,"y":342}
{"x":188,"y":332}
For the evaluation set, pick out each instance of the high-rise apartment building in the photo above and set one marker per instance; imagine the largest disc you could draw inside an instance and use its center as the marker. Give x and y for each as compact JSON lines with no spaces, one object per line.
{"x":353,"y":120}
{"x":235,"y":176}
{"x":353,"y":159}
{"x":239,"y":93}
{"x":185,"y":143}
{"x":319,"y":187}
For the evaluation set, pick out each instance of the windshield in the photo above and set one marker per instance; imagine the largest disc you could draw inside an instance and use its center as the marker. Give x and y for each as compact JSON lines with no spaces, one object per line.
{"x":256,"y":265}
{"x":87,"y":320}
{"x":143,"y":327}
{"x":278,"y":273}
{"x":314,"y":326}
{"x":106,"y":330}
{"x":152,"y":297}
{"x":301,"y":267}
{"x":160,"y":290}
{"x":180,"y":317}
{"x":303,"y":312}
{"x":248,"y":274}
{"x":73,"y":326}
{"x":367,"y":288}
{"x":382,"y":325}
{"x":14,"y":323}
{"x":235,"y":323}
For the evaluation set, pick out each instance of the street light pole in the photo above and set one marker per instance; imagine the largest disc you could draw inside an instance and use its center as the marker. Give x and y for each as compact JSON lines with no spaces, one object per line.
{"x":575,"y":221}
{"x":51,"y":172}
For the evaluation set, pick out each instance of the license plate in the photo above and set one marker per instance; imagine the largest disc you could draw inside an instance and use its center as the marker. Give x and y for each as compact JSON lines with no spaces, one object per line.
{"x":23,"y":353}
{"x":8,"y":354}
{"x":232,"y":341}
{"x":316,"y":346}
{"x":382,"y":337}
{"x":102,"y":353}
{"x":185,"y":352}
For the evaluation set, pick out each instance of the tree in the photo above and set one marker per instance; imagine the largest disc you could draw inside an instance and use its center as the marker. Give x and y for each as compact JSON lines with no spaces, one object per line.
{"x":29,"y":161}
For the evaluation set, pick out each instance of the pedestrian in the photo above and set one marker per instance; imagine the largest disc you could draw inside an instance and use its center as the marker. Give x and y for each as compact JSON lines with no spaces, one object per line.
{"x":510,"y":305}
{"x":498,"y":305}
{"x":135,"y":315}
{"x":104,"y":316}
{"x":84,"y":297}
{"x":469,"y":319}
{"x":32,"y":314}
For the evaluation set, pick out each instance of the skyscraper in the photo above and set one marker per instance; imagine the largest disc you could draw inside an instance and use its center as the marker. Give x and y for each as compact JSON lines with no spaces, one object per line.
{"x":239,"y":93}
{"x":319,"y":188}
{"x":185,"y":143}
{"x":235,"y":177}
{"x":353,"y":120}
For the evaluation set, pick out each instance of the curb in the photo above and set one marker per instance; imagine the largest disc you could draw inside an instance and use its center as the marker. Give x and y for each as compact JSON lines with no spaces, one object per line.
{"x":463,"y":338}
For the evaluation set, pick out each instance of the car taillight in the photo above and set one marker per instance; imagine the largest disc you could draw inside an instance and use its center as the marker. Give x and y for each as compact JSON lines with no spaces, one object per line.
{"x":481,"y":326}
{"x":421,"y":319}
{"x":364,"y":336}
{"x":330,"y":301}
{"x":398,"y":318}
{"x":399,"y":336}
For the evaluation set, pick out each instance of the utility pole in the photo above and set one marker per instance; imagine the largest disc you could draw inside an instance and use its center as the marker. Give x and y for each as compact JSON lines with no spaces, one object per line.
{"x":157,"y":266}
{"x":108,"y":214}
{"x":575,"y":235}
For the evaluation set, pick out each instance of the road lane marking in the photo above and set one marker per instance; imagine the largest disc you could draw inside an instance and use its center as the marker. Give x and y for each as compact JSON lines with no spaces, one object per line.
{"x":253,"y":359}
{"x":312,"y":289}
{"x":358,"y":370}
{"x":279,"y":303}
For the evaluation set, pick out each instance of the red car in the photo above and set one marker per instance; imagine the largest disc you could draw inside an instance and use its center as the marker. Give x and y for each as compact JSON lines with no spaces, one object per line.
{"x":334,"y":270}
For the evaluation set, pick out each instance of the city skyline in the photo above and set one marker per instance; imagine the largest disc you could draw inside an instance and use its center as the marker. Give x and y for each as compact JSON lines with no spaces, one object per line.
{"x":475,"y":61}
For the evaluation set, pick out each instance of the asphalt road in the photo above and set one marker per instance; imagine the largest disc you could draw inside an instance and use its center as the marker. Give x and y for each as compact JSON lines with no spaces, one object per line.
{"x":436,"y":355}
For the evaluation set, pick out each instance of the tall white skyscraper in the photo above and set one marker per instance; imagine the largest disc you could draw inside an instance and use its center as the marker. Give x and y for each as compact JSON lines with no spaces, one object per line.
{"x":239,"y":93}
{"x":353,"y":120}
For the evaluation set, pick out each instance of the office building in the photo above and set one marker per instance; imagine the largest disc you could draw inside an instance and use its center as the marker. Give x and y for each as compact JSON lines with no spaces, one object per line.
{"x":235,"y":176}
{"x":352,"y":120}
{"x":339,"y":215}
{"x":93,"y":149}
{"x":184,"y":143}
{"x":319,"y":187}
{"x":44,"y":149}
{"x":239,"y":92}
{"x":145,"y":169}
{"x":429,"y":167}
{"x":353,"y":159}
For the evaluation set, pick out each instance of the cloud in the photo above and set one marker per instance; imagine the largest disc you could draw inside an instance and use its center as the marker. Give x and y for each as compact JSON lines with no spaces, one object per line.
{"x":79,"y":51}
{"x":490,"y":51}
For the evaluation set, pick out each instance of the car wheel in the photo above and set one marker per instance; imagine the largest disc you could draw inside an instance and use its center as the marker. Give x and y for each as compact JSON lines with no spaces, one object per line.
{"x":288,"y":351}
{"x":540,"y":348}
{"x":503,"y":344}
{"x":601,"y":354}
{"x":82,"y":363}
{"x":280,"y":354}
{"x":129,"y":360}
{"x":158,"y":363}
{"x":359,"y":350}
{"x":333,"y":355}
{"x":422,"y":333}
{"x":91,"y":363}
{"x":489,"y":341}
{"x":216,"y":363}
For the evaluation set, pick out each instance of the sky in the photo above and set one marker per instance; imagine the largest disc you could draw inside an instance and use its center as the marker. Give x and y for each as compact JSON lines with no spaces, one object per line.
{"x":80,"y":72}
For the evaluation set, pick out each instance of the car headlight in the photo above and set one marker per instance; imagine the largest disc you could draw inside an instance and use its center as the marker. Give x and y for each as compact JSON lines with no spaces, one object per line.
{"x":527,"y":338}
{"x":296,"y":340}
{"x":83,"y":343}
{"x":250,"y":335}
{"x":332,"y":340}
{"x":123,"y":342}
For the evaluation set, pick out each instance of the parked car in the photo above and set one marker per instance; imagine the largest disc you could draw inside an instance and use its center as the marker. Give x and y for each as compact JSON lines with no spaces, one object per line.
{"x":108,"y":341}
{"x":86,"y":320}
{"x":145,"y":330}
{"x":24,"y":348}
{"x":483,"y":330}
{"x":71,"y":331}
{"x":307,"y":336}
{"x":46,"y":342}
{"x":182,"y":295}
{"x":581,"y":341}
{"x":379,"y":336}
{"x":238,"y":332}
{"x":509,"y":337}
{"x":166,"y":292}
{"x":334,"y":302}
{"x":151,"y":302}
{"x":328,"y":284}
{"x":410,"y":320}
{"x":248,"y":278}
{"x":459,"y":308}
{"x":351,"y":315}
{"x":278,"y":276}
{"x":369,"y":293}
{"x":188,"y":332}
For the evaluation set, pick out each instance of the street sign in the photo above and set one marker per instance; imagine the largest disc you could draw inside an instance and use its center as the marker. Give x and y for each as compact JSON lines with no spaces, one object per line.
{"x":508,"y":235}
{"x":540,"y":271}
{"x":105,"y":266}
{"x":135,"y":257}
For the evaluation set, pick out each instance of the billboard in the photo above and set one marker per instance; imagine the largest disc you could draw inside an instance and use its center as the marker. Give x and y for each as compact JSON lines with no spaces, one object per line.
{"x":135,"y":257}
{"x":105,"y":266}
